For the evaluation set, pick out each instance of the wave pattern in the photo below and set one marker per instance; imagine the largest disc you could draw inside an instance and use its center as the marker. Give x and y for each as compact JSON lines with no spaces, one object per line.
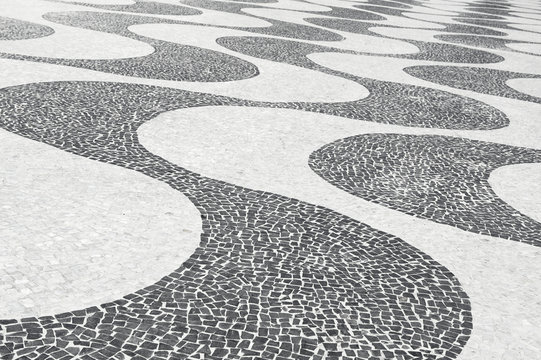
{"x":272,"y":274}
{"x":13,"y":29}
{"x":276,"y":277}
{"x":443,"y":179}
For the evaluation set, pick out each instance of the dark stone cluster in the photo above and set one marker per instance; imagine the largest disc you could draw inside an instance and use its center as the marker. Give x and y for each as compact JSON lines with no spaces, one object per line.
{"x":431,"y":51}
{"x":481,"y":80}
{"x":443,"y":179}
{"x":273,"y":277}
{"x":144,"y":7}
{"x":169,"y":61}
{"x":388,"y":102}
{"x":490,"y":23}
{"x":484,"y":42}
{"x":14,"y":29}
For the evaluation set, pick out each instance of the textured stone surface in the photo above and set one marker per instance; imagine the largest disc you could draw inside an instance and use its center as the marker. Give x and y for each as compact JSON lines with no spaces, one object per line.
{"x":169,"y":61}
{"x":443,"y":179}
{"x":487,"y":81}
{"x":13,"y":29}
{"x":157,"y":176}
{"x":280,"y":276}
{"x":76,"y":233}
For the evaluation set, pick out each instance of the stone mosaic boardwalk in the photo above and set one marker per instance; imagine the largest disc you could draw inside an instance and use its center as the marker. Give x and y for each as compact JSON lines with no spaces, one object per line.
{"x":270,"y":179}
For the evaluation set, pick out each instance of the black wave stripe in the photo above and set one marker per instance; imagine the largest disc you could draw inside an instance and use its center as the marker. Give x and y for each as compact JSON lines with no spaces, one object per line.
{"x":357,"y":27}
{"x":277,"y":28}
{"x":485,"y":42}
{"x":381,"y":10}
{"x":439,"y":178}
{"x":15,"y":29}
{"x":232,"y":7}
{"x":470,"y":30}
{"x":491,"y":24}
{"x":499,"y":11}
{"x":481,"y":80}
{"x":388,"y":102}
{"x":473,"y":15}
{"x":258,"y":1}
{"x":392,"y":4}
{"x":143,"y":7}
{"x":169,"y":61}
{"x":224,"y":6}
{"x":273,"y":277}
{"x":292,"y":31}
{"x":431,"y":51}
{"x":110,"y":22}
{"x":441,"y":52}
{"x":485,"y":11}
{"x":347,"y":13}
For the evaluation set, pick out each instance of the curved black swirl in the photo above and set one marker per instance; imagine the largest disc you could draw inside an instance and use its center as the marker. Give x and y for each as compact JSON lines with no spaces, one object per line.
{"x":443,"y":179}
{"x":388,"y":102}
{"x":432,"y":51}
{"x":14,"y":29}
{"x":144,"y":7}
{"x":273,"y":277}
{"x":169,"y":61}
{"x":484,"y":42}
{"x":481,"y":80}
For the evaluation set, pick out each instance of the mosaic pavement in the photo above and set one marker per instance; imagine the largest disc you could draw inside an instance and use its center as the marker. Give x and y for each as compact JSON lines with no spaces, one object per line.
{"x":270,"y":179}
